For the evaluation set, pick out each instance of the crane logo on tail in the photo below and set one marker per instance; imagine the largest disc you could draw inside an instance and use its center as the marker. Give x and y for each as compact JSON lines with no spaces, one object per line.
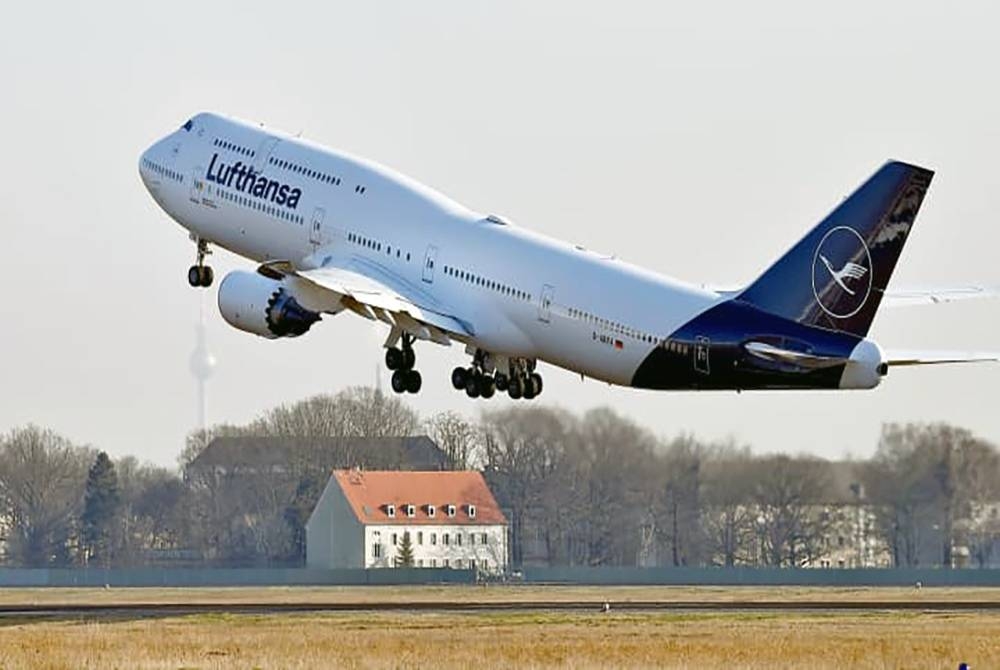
{"x":849,"y":271}
{"x":842,"y":272}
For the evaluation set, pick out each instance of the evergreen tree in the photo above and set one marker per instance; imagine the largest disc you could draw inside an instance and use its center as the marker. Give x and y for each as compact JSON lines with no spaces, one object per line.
{"x":101,"y":503}
{"x":405,"y":557}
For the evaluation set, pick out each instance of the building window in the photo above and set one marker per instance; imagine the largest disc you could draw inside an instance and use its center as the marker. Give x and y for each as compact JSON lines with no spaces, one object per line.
{"x":377,"y":550}
{"x":472,"y":511}
{"x":458,"y":539}
{"x":434,"y":563}
{"x":431,"y":511}
{"x":445,"y":539}
{"x":411,"y":511}
{"x":485,"y":538}
{"x":472,"y":538}
{"x":394,"y":539}
{"x":390,"y":511}
{"x":420,"y":537}
{"x":446,"y":564}
{"x":450,"y":510}
{"x":434,"y":538}
{"x":420,"y":562}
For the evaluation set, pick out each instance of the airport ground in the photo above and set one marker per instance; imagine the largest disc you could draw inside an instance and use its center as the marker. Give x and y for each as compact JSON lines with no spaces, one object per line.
{"x":514,"y":626}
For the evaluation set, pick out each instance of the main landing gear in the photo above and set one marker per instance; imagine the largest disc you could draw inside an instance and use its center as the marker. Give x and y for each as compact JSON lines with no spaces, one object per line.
{"x":483,"y":379}
{"x":199,"y":274}
{"x":401,"y":361}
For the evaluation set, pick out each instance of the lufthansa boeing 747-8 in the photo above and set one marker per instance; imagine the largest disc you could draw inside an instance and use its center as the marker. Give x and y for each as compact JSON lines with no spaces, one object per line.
{"x":334,"y":233}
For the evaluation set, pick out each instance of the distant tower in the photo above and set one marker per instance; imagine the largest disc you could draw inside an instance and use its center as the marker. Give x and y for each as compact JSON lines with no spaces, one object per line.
{"x":202,"y":363}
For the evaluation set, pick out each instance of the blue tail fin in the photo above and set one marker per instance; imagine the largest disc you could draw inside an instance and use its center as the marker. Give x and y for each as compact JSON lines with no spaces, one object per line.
{"x":834,"y":278}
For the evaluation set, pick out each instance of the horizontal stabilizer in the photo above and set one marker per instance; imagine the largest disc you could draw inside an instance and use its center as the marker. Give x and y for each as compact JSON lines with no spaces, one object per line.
{"x":935,"y":296}
{"x":900,"y":358}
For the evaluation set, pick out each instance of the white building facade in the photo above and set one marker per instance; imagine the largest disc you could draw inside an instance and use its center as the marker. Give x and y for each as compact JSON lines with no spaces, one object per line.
{"x":365,"y":519}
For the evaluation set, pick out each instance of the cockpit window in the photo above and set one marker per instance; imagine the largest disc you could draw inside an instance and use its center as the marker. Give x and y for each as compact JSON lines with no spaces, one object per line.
{"x":187,"y":126}
{"x":498,"y":220}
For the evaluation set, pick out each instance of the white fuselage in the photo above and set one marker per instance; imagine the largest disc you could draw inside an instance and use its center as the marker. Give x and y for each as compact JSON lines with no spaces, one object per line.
{"x":522,"y":294}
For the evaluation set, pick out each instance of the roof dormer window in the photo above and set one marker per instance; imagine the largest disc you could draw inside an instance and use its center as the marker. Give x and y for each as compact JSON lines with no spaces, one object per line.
{"x":431,"y":511}
{"x":411,"y":511}
{"x":450,"y":510}
{"x":472,"y":511}
{"x":390,"y":511}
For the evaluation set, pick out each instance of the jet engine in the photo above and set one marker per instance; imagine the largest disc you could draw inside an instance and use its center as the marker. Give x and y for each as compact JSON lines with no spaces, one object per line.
{"x":263,"y":306}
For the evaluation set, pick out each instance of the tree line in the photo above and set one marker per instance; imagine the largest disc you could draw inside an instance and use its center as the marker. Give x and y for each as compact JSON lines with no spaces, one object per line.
{"x":595,"y":489}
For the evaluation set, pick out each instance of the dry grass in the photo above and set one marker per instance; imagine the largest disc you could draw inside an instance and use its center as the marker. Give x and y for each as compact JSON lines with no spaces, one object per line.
{"x":405,"y":640}
{"x":490,"y":593}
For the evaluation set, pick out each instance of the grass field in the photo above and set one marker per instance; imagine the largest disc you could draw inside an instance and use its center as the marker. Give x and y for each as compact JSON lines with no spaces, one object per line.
{"x":509,"y":639}
{"x":486,"y":593}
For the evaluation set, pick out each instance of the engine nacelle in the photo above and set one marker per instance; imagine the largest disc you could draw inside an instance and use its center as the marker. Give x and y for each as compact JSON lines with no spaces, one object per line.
{"x":865,"y":368}
{"x":257,"y":304}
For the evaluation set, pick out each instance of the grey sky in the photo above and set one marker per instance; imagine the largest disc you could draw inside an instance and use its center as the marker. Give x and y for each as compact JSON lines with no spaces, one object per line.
{"x":698,"y":139}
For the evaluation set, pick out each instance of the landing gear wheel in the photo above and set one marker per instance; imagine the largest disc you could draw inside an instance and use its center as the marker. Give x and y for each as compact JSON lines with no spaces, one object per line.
{"x":459,"y":378}
{"x":487,"y":387}
{"x":393,"y":358}
{"x":409,"y":358}
{"x":536,"y":383}
{"x":472,"y":387}
{"x":399,"y":380}
{"x":529,"y":390}
{"x":200,"y":276}
{"x":501,"y":381}
{"x":514,"y":389}
{"x":413,"y":381}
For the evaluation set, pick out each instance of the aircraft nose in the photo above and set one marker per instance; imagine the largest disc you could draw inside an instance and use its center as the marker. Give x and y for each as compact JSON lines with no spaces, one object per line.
{"x":146,"y":165}
{"x":153,"y":165}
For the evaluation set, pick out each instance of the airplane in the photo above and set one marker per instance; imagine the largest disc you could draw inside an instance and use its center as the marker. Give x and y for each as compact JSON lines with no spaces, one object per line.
{"x":333,"y":233}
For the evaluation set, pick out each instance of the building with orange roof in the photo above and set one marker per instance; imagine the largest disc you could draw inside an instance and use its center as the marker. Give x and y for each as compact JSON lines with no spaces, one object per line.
{"x":451,"y":520}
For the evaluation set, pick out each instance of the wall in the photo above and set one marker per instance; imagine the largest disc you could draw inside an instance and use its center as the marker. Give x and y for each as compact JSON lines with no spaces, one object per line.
{"x":764,"y":576}
{"x":183,"y":577}
{"x":179,"y":577}
{"x":428,"y":554}
{"x":334,"y":536}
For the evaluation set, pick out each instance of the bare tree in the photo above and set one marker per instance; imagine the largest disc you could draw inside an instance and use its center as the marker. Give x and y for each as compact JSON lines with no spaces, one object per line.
{"x":153,"y":518}
{"x":42,"y":479}
{"x":728,"y":517}
{"x":680,"y":472}
{"x":457,"y":437}
{"x":524,"y":449}
{"x":789,"y":496}
{"x":620,"y":485}
{"x":927,"y":481}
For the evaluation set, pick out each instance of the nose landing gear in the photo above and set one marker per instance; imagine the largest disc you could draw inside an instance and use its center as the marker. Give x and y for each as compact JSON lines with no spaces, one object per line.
{"x":199,"y":274}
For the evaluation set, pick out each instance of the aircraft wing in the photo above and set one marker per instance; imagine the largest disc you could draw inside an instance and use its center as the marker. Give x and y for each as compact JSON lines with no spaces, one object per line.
{"x":901,"y":358}
{"x":376,"y":294}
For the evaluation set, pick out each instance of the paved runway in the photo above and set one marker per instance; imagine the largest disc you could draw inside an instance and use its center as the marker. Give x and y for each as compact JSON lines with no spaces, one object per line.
{"x":153,"y":610}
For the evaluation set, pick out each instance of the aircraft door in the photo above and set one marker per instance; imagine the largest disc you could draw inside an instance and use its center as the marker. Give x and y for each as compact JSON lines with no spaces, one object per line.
{"x":316,"y":227}
{"x":545,"y":304}
{"x":197,"y":185}
{"x":429,"y":260}
{"x":263,"y":153}
{"x":702,"y":345}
